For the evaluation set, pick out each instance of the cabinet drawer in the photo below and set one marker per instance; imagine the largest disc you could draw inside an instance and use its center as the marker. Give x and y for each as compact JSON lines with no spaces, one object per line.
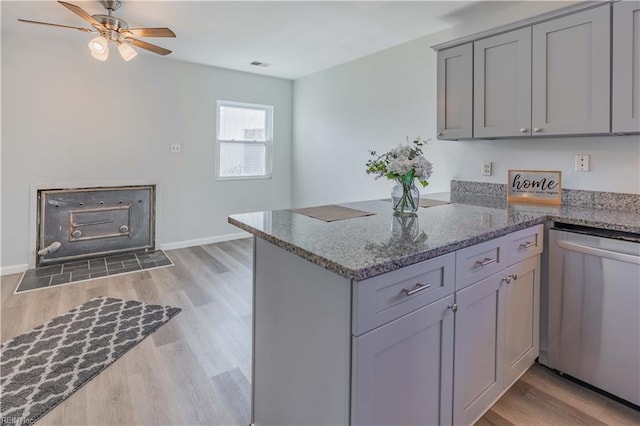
{"x":477,"y":262}
{"x":384,"y":298}
{"x":523,"y":244}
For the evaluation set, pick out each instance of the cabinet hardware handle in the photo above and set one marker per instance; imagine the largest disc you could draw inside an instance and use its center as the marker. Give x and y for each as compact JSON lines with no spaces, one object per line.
{"x":440,"y":134}
{"x":506,"y":279}
{"x":417,"y":288}
{"x":537,"y":129}
{"x":514,"y":276}
{"x":486,"y":261}
{"x":454,"y":308}
{"x":523,"y":130}
{"x":527,"y":244}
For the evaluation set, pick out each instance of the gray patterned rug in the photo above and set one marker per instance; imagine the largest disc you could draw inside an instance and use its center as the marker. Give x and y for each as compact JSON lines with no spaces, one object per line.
{"x":41,"y":368}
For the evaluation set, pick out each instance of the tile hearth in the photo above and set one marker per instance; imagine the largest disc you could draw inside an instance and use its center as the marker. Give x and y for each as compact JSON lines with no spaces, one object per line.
{"x":83,"y":270}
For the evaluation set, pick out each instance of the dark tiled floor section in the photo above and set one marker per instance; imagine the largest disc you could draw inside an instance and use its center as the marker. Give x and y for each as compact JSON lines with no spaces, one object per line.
{"x":82,"y":270}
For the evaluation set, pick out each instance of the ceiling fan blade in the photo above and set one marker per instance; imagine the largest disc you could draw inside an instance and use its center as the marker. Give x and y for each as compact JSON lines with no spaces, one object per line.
{"x":150,"y":32}
{"x":148,"y":46}
{"x":81,"y":13}
{"x":84,"y":30}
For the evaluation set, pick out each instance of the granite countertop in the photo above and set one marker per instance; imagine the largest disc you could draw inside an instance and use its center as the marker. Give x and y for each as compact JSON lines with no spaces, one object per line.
{"x":364,"y":247}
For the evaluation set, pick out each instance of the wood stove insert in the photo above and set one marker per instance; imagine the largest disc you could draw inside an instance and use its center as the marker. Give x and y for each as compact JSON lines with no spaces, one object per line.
{"x":89,"y":222}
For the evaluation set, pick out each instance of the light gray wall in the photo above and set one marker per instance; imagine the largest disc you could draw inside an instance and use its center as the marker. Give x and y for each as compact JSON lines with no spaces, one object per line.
{"x":68,"y":119}
{"x":375,"y":101}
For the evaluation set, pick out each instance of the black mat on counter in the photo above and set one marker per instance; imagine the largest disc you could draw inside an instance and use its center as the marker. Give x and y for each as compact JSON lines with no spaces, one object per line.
{"x":331,"y":213}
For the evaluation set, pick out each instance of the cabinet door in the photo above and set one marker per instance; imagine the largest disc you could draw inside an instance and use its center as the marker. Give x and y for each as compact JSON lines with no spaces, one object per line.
{"x":571,"y":74}
{"x":521,"y":318}
{"x":455,"y":92}
{"x":626,"y":67}
{"x":479,"y":342}
{"x":402,"y":371}
{"x":502,"y":85}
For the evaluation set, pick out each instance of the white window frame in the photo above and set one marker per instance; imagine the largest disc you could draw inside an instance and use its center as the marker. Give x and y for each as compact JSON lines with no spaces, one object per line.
{"x":268,"y":138}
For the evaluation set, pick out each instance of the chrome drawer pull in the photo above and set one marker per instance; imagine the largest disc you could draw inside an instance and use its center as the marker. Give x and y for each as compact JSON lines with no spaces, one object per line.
{"x":527,"y":244}
{"x":454,"y":308}
{"x":417,"y":288}
{"x":486,"y":261}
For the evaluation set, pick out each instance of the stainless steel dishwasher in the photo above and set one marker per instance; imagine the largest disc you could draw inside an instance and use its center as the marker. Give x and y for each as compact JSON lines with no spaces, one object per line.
{"x":594,"y":308}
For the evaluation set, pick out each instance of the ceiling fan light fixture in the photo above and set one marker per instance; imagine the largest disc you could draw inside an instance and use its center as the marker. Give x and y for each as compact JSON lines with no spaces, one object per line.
{"x":112,"y":29}
{"x":126,"y":51}
{"x":99,"y":45}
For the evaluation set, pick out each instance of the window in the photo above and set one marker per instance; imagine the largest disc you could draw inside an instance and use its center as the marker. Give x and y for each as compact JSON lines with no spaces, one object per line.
{"x":244,"y":140}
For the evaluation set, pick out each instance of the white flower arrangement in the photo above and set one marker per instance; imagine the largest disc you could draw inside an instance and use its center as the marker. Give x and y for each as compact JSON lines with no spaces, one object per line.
{"x":403,"y":163}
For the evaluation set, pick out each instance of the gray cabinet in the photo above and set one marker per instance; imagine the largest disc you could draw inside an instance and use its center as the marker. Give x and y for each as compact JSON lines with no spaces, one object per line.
{"x":496,"y":337}
{"x":479,"y":347}
{"x":502,"y":85}
{"x":402,"y":359}
{"x":405,"y":369}
{"x":402,"y":371}
{"x":571,"y":74}
{"x":496,"y":327}
{"x":521,"y":336}
{"x":455,"y":92}
{"x":545,"y":76}
{"x":626,"y":67}
{"x":420,"y":345}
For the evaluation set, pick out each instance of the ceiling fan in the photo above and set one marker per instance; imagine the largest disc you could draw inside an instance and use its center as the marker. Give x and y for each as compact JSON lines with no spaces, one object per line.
{"x":113,"y":30}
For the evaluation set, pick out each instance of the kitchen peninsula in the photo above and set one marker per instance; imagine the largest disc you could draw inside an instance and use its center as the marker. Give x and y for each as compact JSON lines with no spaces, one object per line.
{"x":353,"y":319}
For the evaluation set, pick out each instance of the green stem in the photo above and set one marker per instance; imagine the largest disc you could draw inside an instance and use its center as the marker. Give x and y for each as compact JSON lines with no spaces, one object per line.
{"x":406,"y":199}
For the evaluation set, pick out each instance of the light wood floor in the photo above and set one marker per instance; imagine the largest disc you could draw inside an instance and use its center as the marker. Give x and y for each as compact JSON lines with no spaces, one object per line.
{"x":541,"y":397}
{"x":196,"y":368}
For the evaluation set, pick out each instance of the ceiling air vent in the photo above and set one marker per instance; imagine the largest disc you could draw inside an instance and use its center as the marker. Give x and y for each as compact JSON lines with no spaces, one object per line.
{"x":259,"y":64}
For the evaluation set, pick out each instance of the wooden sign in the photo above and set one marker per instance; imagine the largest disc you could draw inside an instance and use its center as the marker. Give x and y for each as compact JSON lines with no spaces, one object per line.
{"x":535,"y":186}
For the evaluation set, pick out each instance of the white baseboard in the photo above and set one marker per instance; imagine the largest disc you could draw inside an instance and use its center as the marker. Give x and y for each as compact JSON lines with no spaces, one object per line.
{"x":203,"y":241}
{"x":14,"y":269}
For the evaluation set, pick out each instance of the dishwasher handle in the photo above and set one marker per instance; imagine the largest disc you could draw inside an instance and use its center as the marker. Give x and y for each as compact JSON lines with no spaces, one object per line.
{"x":614,"y":255}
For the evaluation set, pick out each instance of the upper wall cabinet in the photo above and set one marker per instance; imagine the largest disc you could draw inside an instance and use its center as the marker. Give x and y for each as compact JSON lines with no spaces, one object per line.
{"x":571,"y":74}
{"x":502,"y":85}
{"x":626,"y":67}
{"x":550,"y":75}
{"x":455,"y":92}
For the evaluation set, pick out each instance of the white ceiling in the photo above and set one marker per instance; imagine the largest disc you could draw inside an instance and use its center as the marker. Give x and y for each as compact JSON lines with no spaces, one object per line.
{"x":297,"y":38}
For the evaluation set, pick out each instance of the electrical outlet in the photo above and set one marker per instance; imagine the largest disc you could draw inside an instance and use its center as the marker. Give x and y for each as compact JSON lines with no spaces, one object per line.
{"x":582,"y":162}
{"x":487,"y":168}
{"x":176,"y":147}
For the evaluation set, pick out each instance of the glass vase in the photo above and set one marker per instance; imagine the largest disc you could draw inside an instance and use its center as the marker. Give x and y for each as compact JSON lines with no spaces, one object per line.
{"x":405,"y":197}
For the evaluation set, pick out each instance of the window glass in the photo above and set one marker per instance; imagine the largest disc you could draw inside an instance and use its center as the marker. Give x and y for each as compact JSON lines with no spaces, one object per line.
{"x":242,"y":124}
{"x":242,"y":159}
{"x":244,"y":139}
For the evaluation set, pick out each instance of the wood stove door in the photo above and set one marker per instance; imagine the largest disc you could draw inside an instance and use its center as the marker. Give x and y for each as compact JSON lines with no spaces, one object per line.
{"x":97,"y":221}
